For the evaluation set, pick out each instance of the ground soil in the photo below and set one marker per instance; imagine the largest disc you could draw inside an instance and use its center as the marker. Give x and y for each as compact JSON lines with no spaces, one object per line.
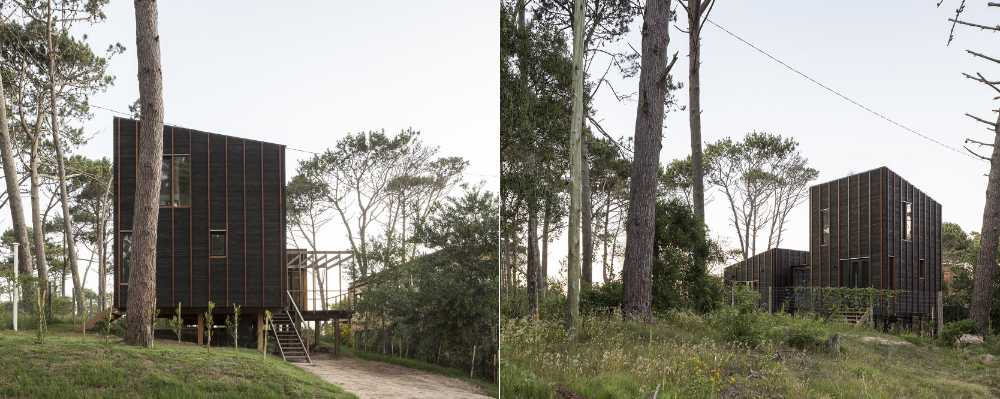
{"x":377,"y":380}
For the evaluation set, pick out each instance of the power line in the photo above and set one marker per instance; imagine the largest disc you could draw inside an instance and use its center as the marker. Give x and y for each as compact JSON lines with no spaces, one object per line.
{"x":839,"y":94}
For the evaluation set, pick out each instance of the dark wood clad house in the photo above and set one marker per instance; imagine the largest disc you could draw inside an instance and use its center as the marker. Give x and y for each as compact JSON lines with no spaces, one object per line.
{"x":770,"y":272}
{"x":875,"y":229}
{"x":221,"y":229}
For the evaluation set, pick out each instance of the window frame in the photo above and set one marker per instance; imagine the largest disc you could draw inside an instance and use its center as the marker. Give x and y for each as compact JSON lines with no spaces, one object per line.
{"x":225,"y":240}
{"x":824,"y":227}
{"x":906,"y":230}
{"x":175,"y":194}
{"x":123,"y":278}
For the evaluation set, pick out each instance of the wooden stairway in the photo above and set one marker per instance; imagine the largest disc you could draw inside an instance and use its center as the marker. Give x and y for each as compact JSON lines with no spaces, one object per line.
{"x":852,"y":316}
{"x":288,"y":339}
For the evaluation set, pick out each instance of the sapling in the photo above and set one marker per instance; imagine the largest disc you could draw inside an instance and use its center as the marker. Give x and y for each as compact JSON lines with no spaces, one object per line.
{"x":208,"y":323}
{"x":234,"y":328}
{"x":267,"y":328}
{"x":177,"y":322}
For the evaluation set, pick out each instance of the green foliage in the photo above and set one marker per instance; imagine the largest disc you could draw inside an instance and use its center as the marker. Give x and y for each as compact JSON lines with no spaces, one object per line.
{"x":604,"y":298}
{"x":804,"y":333}
{"x":267,"y":328}
{"x":679,"y":279}
{"x":438,"y":305}
{"x":955,"y":329}
{"x":177,"y":322}
{"x":233,"y":326}
{"x":209,"y":323}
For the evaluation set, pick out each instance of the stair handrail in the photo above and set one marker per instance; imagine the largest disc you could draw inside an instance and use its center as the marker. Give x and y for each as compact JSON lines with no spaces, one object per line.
{"x":295,"y":325}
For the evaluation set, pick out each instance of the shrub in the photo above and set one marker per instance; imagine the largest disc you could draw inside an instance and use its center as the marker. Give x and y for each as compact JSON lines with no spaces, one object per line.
{"x":602,"y":298}
{"x":737,"y":327}
{"x":955,"y":329}
{"x":804,"y":333}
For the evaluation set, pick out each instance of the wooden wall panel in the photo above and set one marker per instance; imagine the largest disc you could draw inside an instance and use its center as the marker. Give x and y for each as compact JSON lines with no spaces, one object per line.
{"x":236,"y":216}
{"x":254,"y":237}
{"x":200,"y":221}
{"x":164,"y":258}
{"x":182,"y":256}
{"x":273,"y":228}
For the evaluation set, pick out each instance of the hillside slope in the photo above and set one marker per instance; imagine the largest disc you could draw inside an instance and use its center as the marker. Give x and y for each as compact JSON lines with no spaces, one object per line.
{"x":687,"y":355}
{"x":72,"y":366}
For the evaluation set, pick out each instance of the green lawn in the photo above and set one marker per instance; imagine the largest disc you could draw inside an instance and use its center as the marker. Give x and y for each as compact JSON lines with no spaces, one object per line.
{"x":688,"y":355}
{"x":68,"y":365}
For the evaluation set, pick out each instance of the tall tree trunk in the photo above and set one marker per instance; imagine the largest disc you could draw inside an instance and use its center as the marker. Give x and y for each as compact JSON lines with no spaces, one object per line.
{"x":533,"y":267}
{"x":607,"y":236}
{"x":986,"y":262}
{"x":575,"y":161}
{"x":37,"y":226}
{"x":532,"y":272}
{"x":653,"y":79}
{"x":69,"y":240}
{"x":694,"y":107}
{"x":142,"y":276}
{"x":546,"y":227}
{"x":14,"y":191}
{"x":588,"y":219}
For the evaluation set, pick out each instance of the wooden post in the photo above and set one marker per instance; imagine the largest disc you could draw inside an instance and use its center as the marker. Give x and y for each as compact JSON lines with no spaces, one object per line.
{"x":336,"y":337}
{"x":201,"y":329}
{"x":316,"y":334}
{"x":260,"y":332}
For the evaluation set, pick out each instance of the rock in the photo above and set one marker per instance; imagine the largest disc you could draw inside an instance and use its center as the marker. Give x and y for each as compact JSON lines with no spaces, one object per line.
{"x":987,"y":358}
{"x":833,"y":344}
{"x":969,"y":339}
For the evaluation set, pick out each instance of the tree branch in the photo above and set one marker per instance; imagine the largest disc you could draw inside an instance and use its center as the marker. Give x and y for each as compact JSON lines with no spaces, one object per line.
{"x":978,"y":142}
{"x":975,"y":154}
{"x":975,"y":25}
{"x":983,"y":56}
{"x":991,"y":124}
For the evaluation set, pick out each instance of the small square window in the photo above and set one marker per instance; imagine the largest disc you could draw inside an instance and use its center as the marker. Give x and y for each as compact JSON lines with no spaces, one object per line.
{"x":217,"y":244}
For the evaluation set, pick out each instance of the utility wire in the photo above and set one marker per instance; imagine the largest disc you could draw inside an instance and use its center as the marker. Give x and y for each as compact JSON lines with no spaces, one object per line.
{"x":837,"y":93}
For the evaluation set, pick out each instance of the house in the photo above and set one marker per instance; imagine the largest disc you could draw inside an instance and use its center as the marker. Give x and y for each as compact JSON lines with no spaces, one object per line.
{"x":220,"y":233}
{"x":868,"y":230}
{"x":771,"y":273}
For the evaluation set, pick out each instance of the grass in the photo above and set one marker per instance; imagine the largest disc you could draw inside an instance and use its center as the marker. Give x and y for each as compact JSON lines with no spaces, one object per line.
{"x":69,"y":365}
{"x":688,"y":355}
{"x":487,"y":387}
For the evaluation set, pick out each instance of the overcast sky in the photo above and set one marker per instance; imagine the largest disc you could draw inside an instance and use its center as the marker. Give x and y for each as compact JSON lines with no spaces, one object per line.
{"x":306,"y":73}
{"x":889,"y":55}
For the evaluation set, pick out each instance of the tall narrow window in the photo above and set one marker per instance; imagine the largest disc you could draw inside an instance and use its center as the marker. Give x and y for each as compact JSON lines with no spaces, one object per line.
{"x":907,"y":221}
{"x":126,"y":255}
{"x":824,"y":217}
{"x":922,"y":271}
{"x":217,"y":244}
{"x":175,"y":181}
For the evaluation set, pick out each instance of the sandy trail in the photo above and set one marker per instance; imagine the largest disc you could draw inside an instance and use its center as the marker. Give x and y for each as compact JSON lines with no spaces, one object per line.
{"x":377,"y":380}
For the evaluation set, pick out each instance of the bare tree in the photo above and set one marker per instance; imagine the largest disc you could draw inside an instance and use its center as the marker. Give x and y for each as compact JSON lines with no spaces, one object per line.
{"x":142,"y":274}
{"x":654,"y":82}
{"x":576,"y":177}
{"x":986,"y":263}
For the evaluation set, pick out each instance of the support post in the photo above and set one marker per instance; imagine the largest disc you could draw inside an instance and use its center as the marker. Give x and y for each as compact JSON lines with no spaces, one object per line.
{"x":17,"y":287}
{"x":260,"y":332}
{"x":201,"y":329}
{"x":336,"y":337}
{"x":316,"y":334}
{"x":770,"y":299}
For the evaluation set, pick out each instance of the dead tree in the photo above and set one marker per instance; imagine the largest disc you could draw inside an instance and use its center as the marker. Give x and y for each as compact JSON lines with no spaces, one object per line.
{"x":986,"y":263}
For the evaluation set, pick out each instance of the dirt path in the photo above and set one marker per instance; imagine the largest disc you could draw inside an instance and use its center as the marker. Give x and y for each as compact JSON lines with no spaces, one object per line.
{"x":377,"y":380}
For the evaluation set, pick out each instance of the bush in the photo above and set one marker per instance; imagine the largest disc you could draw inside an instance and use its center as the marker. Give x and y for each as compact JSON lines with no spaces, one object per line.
{"x":602,"y":298}
{"x":955,"y":329}
{"x":737,"y":327}
{"x":804,"y":333}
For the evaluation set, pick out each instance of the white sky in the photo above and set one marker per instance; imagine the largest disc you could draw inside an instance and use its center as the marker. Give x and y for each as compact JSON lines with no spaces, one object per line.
{"x":306,"y":73}
{"x":888,"y":55}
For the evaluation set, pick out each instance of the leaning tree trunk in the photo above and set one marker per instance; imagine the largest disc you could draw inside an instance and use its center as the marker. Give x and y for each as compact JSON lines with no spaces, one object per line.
{"x":142,"y":281}
{"x":653,"y":78}
{"x":575,"y":161}
{"x":69,"y":240}
{"x":588,"y":219}
{"x":14,"y":190}
{"x":986,"y":262}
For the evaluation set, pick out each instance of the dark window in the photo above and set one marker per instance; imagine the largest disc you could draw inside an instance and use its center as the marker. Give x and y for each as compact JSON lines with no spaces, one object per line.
{"x":126,"y":255}
{"x":824,"y":217}
{"x":217,"y":244}
{"x":922,"y":271}
{"x":175,"y":181}
{"x":907,"y":221}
